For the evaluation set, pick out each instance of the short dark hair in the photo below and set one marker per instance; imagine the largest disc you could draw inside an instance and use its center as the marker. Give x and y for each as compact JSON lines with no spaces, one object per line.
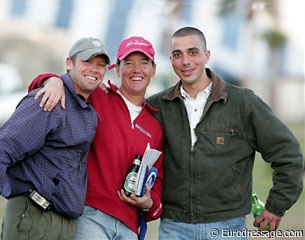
{"x":186,"y":31}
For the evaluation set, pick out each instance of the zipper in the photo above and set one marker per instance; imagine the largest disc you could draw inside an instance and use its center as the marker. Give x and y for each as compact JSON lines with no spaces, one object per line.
{"x":230,"y":131}
{"x":80,"y":164}
{"x":192,"y":183}
{"x":192,"y":148}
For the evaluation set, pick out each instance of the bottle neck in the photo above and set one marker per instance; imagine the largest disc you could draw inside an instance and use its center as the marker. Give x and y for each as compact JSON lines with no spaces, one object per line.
{"x":254,"y":198}
{"x":137,"y":161}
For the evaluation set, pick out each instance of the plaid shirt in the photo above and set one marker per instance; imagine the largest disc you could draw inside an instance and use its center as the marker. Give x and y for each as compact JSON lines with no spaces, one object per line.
{"x":47,"y":151}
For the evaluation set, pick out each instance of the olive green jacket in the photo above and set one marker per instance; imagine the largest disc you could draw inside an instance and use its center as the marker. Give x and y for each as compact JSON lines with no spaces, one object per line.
{"x":212,"y":181}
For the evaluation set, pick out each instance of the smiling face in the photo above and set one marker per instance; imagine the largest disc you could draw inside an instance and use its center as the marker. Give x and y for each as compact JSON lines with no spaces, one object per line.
{"x":135,"y":71}
{"x":86,"y":75}
{"x":189,"y":57}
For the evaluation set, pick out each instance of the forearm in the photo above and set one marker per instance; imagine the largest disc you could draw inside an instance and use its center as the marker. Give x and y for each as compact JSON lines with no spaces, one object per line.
{"x":40,"y":80}
{"x":287,"y":187}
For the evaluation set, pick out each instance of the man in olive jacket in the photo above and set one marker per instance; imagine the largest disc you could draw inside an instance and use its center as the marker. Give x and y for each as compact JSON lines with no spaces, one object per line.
{"x":212,"y":131}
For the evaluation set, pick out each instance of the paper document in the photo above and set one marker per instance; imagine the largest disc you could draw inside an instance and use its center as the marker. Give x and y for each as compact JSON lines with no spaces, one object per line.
{"x":149,"y":158}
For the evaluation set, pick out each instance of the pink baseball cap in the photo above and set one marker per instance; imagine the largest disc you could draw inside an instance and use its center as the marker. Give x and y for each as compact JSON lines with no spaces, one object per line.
{"x":134,"y":44}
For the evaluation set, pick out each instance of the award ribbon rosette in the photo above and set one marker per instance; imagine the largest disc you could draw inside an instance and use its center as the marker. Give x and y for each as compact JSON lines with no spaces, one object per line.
{"x":147,"y":174}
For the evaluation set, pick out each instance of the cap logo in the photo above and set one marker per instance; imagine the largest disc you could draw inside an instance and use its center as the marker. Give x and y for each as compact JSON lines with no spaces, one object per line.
{"x":136,"y":42}
{"x":96,"y":43}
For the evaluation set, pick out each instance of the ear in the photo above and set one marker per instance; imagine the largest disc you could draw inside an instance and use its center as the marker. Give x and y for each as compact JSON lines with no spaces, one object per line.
{"x":207,"y":55}
{"x":117,"y":70}
{"x":153,"y":72}
{"x":68,"y":63}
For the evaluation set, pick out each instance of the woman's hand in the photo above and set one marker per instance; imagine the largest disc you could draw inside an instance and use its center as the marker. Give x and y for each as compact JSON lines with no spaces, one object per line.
{"x":53,"y":92}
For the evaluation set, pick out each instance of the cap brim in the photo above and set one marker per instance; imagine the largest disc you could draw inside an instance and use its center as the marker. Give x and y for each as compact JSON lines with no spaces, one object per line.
{"x":132,"y":50}
{"x":111,"y":66}
{"x":90,"y":53}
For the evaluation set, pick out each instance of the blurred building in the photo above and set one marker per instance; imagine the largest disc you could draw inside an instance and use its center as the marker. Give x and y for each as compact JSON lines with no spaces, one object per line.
{"x":35,"y":37}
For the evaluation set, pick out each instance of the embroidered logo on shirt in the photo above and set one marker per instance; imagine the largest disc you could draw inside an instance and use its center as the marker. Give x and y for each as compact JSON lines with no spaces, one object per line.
{"x":157,"y":210}
{"x":220,"y":140}
{"x":143,"y":131}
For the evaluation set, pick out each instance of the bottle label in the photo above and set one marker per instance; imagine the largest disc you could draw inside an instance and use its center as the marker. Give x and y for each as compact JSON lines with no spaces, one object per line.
{"x":130,"y":182}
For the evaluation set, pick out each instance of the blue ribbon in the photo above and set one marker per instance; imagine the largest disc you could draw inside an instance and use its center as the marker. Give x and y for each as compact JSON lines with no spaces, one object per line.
{"x":149,"y":179}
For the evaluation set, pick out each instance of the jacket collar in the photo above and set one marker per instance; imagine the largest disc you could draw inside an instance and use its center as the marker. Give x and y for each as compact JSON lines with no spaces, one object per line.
{"x":70,"y":87}
{"x":218,"y":91}
{"x":114,"y":89}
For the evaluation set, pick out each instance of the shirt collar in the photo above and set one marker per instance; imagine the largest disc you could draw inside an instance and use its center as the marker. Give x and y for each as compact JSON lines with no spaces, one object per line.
{"x":114,"y":88}
{"x":204,"y":93}
{"x":70,"y":87}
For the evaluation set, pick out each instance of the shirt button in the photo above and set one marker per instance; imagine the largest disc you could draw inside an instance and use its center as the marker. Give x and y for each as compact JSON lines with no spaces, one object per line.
{"x":195,"y":109}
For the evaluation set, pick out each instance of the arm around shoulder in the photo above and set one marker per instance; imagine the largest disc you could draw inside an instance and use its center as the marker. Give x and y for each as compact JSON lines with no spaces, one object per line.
{"x":52,"y":91}
{"x":39,"y":80}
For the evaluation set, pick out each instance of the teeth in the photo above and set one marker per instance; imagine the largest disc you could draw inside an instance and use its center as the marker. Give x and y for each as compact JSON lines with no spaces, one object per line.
{"x":91,"y":78}
{"x":137,"y":79}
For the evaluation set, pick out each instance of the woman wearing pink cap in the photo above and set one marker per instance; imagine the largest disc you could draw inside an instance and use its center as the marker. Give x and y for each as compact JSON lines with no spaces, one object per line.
{"x":126,"y":127}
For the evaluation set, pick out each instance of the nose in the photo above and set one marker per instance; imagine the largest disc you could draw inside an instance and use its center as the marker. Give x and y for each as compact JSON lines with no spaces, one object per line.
{"x":185,"y":60}
{"x":136,"y":67}
{"x":136,"y":70}
{"x":94,"y":68}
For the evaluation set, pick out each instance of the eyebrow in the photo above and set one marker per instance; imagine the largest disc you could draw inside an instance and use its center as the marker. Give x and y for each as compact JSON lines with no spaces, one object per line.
{"x":193,"y":48}
{"x":143,"y":58}
{"x":188,"y":50}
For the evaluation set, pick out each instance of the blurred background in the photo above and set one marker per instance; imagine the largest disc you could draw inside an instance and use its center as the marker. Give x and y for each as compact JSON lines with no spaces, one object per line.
{"x":254,"y":43}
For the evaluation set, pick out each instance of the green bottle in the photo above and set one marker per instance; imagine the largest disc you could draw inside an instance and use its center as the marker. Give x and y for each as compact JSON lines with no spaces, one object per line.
{"x":257,"y":208}
{"x":131,"y":176}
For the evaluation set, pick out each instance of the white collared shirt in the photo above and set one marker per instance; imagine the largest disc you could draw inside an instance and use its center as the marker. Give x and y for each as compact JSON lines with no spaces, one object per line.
{"x":195,"y":108}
